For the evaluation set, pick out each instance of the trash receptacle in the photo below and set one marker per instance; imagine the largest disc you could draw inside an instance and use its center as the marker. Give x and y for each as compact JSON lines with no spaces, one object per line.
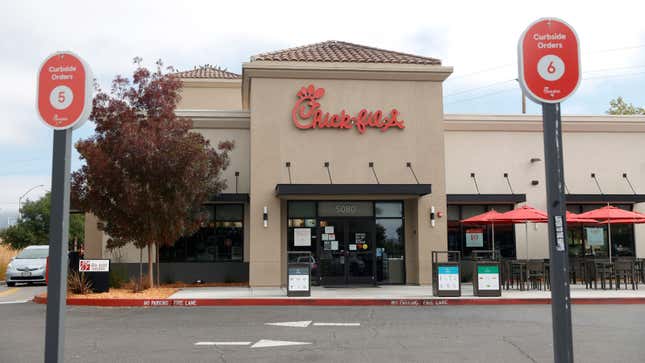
{"x":97,"y":272}
{"x":486,"y":274}
{"x":446,"y":275}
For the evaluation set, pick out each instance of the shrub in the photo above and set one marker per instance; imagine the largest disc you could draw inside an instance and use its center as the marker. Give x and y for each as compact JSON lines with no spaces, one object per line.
{"x":137,"y":284}
{"x":118,"y":277}
{"x":78,"y":283}
{"x":6,"y":254}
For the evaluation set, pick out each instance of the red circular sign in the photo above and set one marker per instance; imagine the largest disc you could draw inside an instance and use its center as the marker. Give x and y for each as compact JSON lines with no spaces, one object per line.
{"x":64,"y":91}
{"x":549,"y":61}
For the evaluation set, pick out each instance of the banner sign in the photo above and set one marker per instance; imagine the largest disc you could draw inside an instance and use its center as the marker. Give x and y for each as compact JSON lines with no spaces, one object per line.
{"x":93,"y":265}
{"x":475,"y":237}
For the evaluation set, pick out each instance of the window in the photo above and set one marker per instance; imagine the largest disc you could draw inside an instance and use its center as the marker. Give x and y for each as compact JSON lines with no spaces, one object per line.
{"x":504,"y":233}
{"x":390,"y":242}
{"x":580,"y":245}
{"x":220,"y":238}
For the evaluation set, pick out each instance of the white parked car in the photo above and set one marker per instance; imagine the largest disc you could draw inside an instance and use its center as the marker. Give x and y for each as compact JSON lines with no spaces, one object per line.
{"x":29,"y":266}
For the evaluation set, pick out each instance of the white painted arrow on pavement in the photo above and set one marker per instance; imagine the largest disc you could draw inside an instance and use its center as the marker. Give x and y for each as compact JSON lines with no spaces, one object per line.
{"x":223,"y":343}
{"x":337,"y":324}
{"x":265,"y":343}
{"x":292,"y":324}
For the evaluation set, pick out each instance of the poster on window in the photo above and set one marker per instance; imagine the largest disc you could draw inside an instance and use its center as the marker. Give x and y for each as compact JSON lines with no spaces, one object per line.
{"x":302,"y":237}
{"x":475,"y":237}
{"x":595,"y":236}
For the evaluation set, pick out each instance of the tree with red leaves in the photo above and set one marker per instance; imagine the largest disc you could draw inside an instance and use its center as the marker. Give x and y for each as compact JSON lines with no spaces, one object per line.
{"x":146,"y":174}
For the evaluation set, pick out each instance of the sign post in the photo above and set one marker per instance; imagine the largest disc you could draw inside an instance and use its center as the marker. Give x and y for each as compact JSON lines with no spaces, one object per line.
{"x":549,"y":72}
{"x":63,"y":103}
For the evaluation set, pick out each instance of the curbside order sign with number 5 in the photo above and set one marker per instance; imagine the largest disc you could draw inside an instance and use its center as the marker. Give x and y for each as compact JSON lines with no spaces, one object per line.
{"x":549,"y":61}
{"x":64,"y":91}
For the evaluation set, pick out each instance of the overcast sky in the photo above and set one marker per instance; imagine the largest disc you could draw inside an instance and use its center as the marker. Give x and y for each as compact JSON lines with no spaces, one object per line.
{"x":477,"y":38}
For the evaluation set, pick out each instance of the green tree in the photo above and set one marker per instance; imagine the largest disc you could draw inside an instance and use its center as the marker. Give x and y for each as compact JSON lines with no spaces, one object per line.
{"x":618,"y":106}
{"x":33,"y":227}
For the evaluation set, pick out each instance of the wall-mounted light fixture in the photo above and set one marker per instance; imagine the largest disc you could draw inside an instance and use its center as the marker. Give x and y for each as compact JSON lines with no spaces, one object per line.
{"x":535,"y":160}
{"x":535,"y":182}
{"x":593,"y":176}
{"x":432,"y":215}
{"x":265,"y":216}
{"x":629,"y":183}
{"x":472,"y":175}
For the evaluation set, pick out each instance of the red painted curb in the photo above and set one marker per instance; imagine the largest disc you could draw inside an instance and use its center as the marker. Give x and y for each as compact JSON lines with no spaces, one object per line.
{"x":332,"y":302}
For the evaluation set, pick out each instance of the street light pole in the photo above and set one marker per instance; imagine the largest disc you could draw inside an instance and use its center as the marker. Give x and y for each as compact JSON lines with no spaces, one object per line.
{"x":22,"y":196}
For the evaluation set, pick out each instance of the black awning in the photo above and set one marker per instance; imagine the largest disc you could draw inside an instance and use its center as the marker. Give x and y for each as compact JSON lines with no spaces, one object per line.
{"x":229,"y":197}
{"x":352,"y":189}
{"x":605,"y":198}
{"x":485,"y":198}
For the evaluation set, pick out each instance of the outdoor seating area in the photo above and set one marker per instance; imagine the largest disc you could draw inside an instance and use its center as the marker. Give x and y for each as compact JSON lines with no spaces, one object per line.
{"x":590,"y":272}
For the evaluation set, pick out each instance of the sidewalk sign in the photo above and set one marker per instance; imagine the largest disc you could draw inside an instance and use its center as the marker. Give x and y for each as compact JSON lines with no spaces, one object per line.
{"x":487,"y":279}
{"x":446,"y":275}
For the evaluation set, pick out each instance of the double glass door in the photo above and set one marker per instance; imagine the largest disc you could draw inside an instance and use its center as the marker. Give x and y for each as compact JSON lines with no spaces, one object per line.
{"x":346,"y":250}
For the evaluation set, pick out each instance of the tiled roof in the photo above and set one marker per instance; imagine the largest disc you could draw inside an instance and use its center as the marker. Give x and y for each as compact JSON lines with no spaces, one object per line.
{"x":336,"y":51}
{"x":208,"y":71}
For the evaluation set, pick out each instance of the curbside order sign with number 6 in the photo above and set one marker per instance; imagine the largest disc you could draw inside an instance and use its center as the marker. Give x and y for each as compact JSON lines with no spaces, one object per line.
{"x":64,"y":91}
{"x":549,"y":61}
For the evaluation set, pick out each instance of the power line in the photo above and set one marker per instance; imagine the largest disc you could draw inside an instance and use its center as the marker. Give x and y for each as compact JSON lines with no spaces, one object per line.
{"x":468,"y":90}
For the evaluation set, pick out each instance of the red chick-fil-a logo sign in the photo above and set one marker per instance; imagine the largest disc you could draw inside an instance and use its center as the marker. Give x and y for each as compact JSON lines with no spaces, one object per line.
{"x":307,"y":114}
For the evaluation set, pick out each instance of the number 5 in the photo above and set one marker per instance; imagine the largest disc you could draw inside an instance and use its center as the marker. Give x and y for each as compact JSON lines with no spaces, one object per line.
{"x":61,"y":96}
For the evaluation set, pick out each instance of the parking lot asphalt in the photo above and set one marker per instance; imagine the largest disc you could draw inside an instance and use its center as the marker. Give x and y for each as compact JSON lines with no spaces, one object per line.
{"x":324,"y":334}
{"x":20,"y":293}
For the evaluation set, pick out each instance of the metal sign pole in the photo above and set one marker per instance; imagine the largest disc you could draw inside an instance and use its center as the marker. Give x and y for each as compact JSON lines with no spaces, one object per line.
{"x":58,"y":236}
{"x":558,"y":248}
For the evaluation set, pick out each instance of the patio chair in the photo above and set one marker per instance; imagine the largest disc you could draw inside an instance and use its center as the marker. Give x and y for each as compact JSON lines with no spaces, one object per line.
{"x":517,"y":274}
{"x":535,"y":273}
{"x":605,"y":273}
{"x":625,"y":270}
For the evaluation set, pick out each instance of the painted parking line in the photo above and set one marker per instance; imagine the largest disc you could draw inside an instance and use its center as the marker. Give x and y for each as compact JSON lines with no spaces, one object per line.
{"x":223,"y":343}
{"x":14,"y":302}
{"x":292,"y":324}
{"x":9,"y":291}
{"x":266,"y":343}
{"x":337,"y":324}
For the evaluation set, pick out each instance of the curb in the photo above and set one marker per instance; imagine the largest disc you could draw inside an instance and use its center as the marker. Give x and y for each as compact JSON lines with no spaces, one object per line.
{"x":332,"y":302}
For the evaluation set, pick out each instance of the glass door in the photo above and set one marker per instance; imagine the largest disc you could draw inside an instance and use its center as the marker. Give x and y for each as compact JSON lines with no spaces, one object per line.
{"x":332,"y":250}
{"x":361,"y":246}
{"x":347,"y":251}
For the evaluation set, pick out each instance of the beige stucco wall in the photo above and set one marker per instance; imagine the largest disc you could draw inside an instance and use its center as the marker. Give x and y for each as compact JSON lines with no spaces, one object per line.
{"x":239,"y":157}
{"x":490,"y":154}
{"x":275,"y":140}
{"x":211,"y":94}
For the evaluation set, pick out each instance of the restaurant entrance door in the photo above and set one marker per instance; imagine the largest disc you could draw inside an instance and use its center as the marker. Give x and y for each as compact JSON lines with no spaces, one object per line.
{"x":346,"y":250}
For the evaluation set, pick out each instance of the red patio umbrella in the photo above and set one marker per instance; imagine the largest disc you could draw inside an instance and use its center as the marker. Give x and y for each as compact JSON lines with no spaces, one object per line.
{"x":611,"y":215}
{"x":573,"y":218}
{"x":524,"y":215}
{"x":485,"y":218}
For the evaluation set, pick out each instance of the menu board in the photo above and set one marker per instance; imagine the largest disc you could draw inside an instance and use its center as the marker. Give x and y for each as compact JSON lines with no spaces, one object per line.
{"x":448,"y":278}
{"x":298,"y":279}
{"x":488,"y":277}
{"x":595,"y":236}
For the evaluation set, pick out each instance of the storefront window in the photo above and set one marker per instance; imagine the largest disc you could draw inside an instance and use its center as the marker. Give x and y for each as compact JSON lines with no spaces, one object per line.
{"x":468,"y":238}
{"x":219,"y":239}
{"x":593,"y":239}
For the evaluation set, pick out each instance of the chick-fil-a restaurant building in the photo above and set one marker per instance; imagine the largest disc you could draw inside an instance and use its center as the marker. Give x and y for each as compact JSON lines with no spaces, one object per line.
{"x":344,"y":151}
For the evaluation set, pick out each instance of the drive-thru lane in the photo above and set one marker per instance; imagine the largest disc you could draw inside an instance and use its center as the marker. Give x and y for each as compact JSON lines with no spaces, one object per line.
{"x":356,"y":334}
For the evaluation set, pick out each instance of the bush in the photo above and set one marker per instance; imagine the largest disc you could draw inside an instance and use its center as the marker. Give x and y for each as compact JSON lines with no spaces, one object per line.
{"x":78,"y":283}
{"x":118,"y":277}
{"x":6,"y":254}
{"x":138,"y":285}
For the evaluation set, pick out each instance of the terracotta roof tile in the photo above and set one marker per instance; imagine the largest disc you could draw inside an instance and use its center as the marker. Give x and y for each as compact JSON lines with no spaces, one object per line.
{"x":336,"y":51}
{"x":208,"y":71}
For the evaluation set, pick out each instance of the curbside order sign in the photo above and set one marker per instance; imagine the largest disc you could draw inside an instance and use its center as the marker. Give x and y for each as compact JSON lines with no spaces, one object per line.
{"x":64,"y":91}
{"x":549,"y":61}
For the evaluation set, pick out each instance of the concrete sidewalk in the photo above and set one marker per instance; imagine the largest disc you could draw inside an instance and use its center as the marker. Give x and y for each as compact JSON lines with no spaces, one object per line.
{"x":392,"y":292}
